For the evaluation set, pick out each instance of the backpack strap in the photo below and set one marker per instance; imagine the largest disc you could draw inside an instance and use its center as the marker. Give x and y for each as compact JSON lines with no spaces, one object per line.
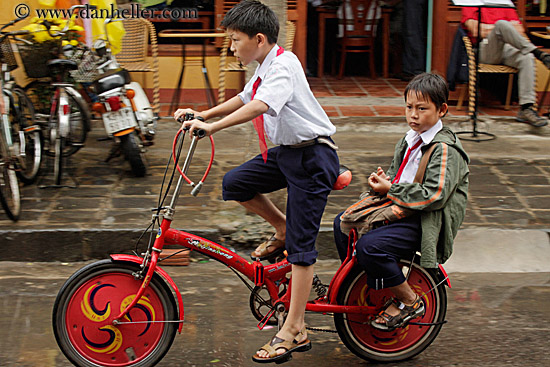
{"x":419,"y":177}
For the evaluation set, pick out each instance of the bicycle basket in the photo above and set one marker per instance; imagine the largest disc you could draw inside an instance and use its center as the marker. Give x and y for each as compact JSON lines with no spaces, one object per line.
{"x":6,"y":54}
{"x":87,"y":71}
{"x":35,"y":57}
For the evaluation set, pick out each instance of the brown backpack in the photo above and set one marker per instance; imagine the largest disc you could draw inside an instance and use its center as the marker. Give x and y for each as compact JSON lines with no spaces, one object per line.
{"x":373,"y":210}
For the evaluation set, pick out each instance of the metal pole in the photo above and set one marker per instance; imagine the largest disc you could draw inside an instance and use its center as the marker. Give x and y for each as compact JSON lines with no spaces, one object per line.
{"x":429,"y":34}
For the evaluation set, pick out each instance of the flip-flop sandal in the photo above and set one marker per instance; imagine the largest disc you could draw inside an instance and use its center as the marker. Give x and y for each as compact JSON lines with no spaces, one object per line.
{"x":265,"y":254}
{"x":289,"y":347}
{"x":406,"y":314}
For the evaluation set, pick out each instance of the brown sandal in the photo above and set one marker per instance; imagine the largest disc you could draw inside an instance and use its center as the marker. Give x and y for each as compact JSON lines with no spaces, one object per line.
{"x":269,"y":249}
{"x":287,"y":345}
{"x":406,"y":314}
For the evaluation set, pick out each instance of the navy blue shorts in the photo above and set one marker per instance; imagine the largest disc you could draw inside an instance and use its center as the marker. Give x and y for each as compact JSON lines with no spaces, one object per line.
{"x":308,"y":173}
{"x":379,"y":251}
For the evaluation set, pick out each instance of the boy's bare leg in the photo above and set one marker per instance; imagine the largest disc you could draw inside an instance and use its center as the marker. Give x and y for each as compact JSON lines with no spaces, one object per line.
{"x":302,"y":278}
{"x":265,"y":208}
{"x":403,"y":293}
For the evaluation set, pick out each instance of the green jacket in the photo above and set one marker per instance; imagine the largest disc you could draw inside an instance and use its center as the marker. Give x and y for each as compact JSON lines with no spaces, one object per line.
{"x":441,"y":197}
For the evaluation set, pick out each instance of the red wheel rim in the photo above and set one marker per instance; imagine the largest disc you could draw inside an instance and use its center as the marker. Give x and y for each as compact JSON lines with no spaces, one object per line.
{"x":400,"y":339}
{"x":91,"y":310}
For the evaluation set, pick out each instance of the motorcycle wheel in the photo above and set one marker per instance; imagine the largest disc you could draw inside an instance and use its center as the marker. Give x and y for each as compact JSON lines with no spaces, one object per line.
{"x":87,"y":304}
{"x":132,"y":150}
{"x":403,"y":343}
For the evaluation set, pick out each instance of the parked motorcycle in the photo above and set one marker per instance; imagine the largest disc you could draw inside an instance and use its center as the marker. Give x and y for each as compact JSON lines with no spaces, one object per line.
{"x":124,"y":107}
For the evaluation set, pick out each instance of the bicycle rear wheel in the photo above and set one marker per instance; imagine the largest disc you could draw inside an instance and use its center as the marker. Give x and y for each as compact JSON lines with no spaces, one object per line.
{"x":9,"y":186}
{"x":40,"y":94}
{"x":403,"y":343}
{"x":87,"y":304}
{"x":27,"y":134}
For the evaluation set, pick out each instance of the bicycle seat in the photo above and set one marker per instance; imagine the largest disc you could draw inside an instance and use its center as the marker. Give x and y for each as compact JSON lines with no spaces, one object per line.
{"x":63,"y":64}
{"x":344,"y":178}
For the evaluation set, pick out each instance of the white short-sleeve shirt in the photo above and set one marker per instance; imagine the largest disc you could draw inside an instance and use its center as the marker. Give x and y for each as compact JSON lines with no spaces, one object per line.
{"x":416,"y":155}
{"x":294,"y":114}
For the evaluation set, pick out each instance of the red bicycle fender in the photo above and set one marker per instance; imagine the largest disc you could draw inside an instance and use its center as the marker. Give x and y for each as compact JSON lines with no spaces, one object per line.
{"x":159,"y":271}
{"x":338,"y":279}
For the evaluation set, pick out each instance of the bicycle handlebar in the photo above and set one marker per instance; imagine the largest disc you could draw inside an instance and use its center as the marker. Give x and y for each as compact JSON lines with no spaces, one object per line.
{"x":200,"y":133}
{"x":11,"y":23}
{"x":197,"y":134}
{"x":47,"y":24}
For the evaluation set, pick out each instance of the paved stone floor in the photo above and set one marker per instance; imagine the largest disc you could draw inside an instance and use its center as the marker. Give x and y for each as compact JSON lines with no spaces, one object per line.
{"x":510,"y":177}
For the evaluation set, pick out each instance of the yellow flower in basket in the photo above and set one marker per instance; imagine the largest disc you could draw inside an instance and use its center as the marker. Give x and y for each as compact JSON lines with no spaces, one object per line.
{"x":38,"y":32}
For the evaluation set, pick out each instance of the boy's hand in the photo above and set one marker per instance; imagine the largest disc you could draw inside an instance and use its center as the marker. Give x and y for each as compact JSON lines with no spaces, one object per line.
{"x":195,"y":124}
{"x":380,"y":172}
{"x":182,"y":111}
{"x":378,"y":183}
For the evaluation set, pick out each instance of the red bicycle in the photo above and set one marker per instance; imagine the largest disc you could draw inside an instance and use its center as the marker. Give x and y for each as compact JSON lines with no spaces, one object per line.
{"x":125,"y":311}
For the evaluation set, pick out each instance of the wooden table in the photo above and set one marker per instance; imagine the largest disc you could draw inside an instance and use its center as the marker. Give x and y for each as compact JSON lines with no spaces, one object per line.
{"x":330,"y":13}
{"x":183,"y":34}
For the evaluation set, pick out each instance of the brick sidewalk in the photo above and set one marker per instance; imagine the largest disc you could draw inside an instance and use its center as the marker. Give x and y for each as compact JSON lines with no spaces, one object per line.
{"x":510,"y":179}
{"x":357,"y":96}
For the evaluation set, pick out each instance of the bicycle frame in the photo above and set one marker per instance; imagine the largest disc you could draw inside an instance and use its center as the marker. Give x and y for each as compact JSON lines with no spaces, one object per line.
{"x":255,"y":271}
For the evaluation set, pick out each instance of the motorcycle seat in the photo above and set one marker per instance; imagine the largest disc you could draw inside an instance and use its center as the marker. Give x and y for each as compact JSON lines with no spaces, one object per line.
{"x":63,"y":64}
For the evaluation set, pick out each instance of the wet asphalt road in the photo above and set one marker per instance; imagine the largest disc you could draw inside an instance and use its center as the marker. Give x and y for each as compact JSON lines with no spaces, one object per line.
{"x":494,"y":319}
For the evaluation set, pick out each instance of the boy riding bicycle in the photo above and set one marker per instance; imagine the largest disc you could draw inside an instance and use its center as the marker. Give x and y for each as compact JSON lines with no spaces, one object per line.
{"x":438,"y":202}
{"x":278,"y":98}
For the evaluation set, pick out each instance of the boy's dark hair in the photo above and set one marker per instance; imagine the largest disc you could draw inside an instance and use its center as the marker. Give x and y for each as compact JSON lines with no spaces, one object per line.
{"x":431,"y":86}
{"x":252,"y":17}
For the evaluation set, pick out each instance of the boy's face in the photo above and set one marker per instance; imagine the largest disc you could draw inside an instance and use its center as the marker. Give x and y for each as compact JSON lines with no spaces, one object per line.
{"x":246,"y":49}
{"x":421,"y":112}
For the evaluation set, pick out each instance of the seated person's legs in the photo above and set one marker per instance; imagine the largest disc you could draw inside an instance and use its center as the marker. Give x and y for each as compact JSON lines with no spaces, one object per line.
{"x":378,"y":253}
{"x":340,"y":238}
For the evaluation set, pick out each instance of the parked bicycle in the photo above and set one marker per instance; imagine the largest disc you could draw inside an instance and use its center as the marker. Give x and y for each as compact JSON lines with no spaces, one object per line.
{"x":61,"y":110}
{"x":20,"y":139}
{"x":125,"y":311}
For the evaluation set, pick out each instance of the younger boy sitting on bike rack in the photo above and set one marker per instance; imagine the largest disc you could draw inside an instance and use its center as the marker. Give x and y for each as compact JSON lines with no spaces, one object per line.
{"x":438,"y":203}
{"x":304,"y":162}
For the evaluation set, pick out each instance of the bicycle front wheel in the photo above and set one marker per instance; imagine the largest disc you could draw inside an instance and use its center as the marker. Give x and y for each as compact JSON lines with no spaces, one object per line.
{"x":27,"y":134}
{"x":87,"y":304}
{"x":58,"y":159}
{"x":9,"y":186}
{"x":403,"y":343}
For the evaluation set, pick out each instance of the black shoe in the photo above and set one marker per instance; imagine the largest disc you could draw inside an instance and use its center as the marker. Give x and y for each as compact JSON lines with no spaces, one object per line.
{"x":545,"y":58}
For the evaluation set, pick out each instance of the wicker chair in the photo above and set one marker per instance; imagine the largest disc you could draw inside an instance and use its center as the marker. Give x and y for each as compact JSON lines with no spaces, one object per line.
{"x":134,"y":52}
{"x":483,"y":68}
{"x":234,"y":66}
